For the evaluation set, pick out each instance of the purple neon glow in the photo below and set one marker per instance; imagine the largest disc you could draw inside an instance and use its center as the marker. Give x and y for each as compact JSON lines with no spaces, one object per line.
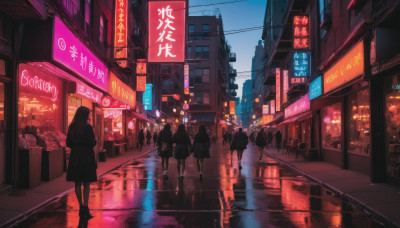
{"x":69,"y":51}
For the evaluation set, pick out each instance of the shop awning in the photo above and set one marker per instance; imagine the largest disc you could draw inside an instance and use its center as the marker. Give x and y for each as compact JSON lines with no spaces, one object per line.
{"x":278,"y":117}
{"x":203,"y":117}
{"x":299,"y":117}
{"x":142,"y":117}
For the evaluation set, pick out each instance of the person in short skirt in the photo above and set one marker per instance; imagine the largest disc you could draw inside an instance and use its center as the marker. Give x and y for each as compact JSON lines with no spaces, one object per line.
{"x":182,"y":149}
{"x":201,"y":148}
{"x":164,"y":144}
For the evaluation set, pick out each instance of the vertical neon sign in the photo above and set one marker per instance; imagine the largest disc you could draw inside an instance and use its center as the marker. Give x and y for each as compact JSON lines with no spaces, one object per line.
{"x":140,"y":83}
{"x":121,"y":31}
{"x":272,"y":104}
{"x":232,"y":107}
{"x":148,"y":97}
{"x":285,"y":85}
{"x":278,"y":89}
{"x":265,"y":109}
{"x":301,"y":32}
{"x":167,"y":31}
{"x":186,"y":79}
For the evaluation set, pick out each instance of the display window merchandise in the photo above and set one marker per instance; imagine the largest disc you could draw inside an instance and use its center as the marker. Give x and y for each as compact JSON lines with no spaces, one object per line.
{"x":331,"y":129}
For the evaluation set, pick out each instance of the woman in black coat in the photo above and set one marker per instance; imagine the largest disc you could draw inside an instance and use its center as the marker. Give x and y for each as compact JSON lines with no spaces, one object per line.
{"x":240,"y":140}
{"x":82,"y":163}
{"x":201,"y":146}
{"x":182,"y":149}
{"x":141,"y":139}
{"x":164,"y":144}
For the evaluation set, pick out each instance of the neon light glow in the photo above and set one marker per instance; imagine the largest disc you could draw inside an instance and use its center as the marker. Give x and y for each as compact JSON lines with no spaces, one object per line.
{"x":285,"y":85}
{"x":121,"y":31}
{"x":301,"y":64}
{"x":141,"y":67}
{"x":272,"y":104}
{"x":72,"y":53}
{"x":349,"y":67}
{"x":36,"y":80}
{"x":115,"y":114}
{"x":232,"y":107}
{"x":265,"y":109}
{"x":315,"y":88}
{"x":148,"y":97}
{"x":141,"y":83}
{"x":110,"y":103}
{"x":121,"y":91}
{"x":88,"y":92}
{"x":185,"y":106}
{"x":301,"y":32}
{"x":164,"y":99}
{"x":297,"y":80}
{"x":278,"y":89}
{"x":166,"y":31}
{"x":186,"y":79}
{"x":301,"y":105}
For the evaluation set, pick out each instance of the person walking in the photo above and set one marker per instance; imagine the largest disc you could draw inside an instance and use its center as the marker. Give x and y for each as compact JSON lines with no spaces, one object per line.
{"x":155,"y":138}
{"x":148,"y":137}
{"x":164,"y":144}
{"x":261,"y":141}
{"x":224,"y":138}
{"x":201,"y":148}
{"x":82,"y":163}
{"x":278,"y":137}
{"x":182,"y":149}
{"x":141,"y":139}
{"x":240,"y":141}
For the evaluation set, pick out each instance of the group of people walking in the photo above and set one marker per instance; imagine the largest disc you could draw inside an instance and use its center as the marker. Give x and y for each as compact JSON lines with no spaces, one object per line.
{"x":148,"y":139}
{"x":182,"y":148}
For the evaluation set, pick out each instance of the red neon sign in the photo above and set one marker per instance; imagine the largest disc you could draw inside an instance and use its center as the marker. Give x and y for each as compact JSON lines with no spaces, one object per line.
{"x":301,"y":32}
{"x":285,"y":85}
{"x":141,"y":83}
{"x":265,"y":109}
{"x":167,"y":31}
{"x":164,"y":99}
{"x":278,"y":89}
{"x":301,"y":105}
{"x":110,"y":103}
{"x":232,"y":108}
{"x":272,"y":104}
{"x":121,"y":31}
{"x":141,"y":67}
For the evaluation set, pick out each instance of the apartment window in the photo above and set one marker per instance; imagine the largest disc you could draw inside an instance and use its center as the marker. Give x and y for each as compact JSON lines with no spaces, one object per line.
{"x":103,"y":30}
{"x":191,"y":76}
{"x":325,"y":16}
{"x":206,"y":98}
{"x":206,"y":75}
{"x":206,"y":28}
{"x":198,"y":97}
{"x":72,"y":6}
{"x":188,"y":51}
{"x":201,"y":76}
{"x":202,"y":52}
{"x":192,"y":28}
{"x":88,"y":11}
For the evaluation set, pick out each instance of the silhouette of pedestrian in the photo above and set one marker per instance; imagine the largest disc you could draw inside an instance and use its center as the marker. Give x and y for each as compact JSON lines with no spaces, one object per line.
{"x":148,"y":137}
{"x":201,"y":148}
{"x":240,"y":141}
{"x":261,"y":141}
{"x":155,"y":138}
{"x":164,"y":144}
{"x":141,"y":139}
{"x":82,"y":163}
{"x":182,"y":149}
{"x":278,"y":137}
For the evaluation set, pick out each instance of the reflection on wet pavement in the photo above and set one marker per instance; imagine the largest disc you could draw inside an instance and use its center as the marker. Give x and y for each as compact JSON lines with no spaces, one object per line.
{"x":262,"y":194}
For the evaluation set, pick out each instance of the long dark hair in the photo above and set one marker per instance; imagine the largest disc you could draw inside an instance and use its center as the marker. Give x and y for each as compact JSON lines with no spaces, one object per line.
{"x":181,"y":128}
{"x":202,"y":130}
{"x":167,"y":127}
{"x":80,"y":120}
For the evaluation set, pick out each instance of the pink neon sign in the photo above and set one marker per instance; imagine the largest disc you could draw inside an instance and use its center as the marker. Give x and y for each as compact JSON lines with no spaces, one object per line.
{"x":72,"y":53}
{"x":88,"y":92}
{"x":301,"y":105}
{"x":35,"y":80}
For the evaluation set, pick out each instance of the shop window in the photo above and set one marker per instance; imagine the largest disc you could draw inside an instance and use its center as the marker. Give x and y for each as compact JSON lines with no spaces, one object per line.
{"x":331,"y":129}
{"x":359,"y":123}
{"x":206,"y":98}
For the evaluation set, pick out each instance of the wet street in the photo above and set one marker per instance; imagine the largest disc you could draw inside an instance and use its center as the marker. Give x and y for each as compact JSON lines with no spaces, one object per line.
{"x":263,"y":194}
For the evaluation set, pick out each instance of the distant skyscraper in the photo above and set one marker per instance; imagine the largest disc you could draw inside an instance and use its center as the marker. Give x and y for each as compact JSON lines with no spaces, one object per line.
{"x":247,"y":103}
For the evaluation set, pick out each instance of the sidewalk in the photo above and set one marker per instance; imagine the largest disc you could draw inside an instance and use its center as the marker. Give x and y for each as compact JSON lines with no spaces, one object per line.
{"x":381,"y":200}
{"x":19,"y":203}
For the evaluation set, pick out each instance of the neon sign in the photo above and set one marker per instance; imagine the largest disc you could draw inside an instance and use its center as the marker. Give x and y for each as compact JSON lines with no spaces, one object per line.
{"x":297,"y":80}
{"x":148,"y":97}
{"x":315,"y":88}
{"x":285,"y":85}
{"x":110,"y":103}
{"x":301,"y":64}
{"x":72,"y":53}
{"x":38,"y":83}
{"x":301,"y":105}
{"x":278,"y":89}
{"x":141,"y":67}
{"x":265,"y":109}
{"x":301,"y":32}
{"x":232,"y":107}
{"x":121,"y":91}
{"x":121,"y":31}
{"x":140,"y":83}
{"x":88,"y":92}
{"x":115,"y":114}
{"x":166,"y":31}
{"x":186,"y":79}
{"x":272,"y":105}
{"x":349,"y":67}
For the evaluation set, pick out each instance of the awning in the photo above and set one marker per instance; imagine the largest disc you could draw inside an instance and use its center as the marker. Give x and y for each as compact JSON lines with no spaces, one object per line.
{"x":278,"y":117}
{"x":299,"y":117}
{"x":142,"y":117}
{"x":203,"y":117}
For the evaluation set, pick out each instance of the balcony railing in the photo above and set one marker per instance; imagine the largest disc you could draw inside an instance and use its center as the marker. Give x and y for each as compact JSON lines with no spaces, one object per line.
{"x":232,"y":57}
{"x":232,"y":73}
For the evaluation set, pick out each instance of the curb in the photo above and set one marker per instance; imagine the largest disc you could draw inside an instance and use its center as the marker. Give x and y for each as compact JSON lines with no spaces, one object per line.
{"x":374,"y":214}
{"x":25,"y":215}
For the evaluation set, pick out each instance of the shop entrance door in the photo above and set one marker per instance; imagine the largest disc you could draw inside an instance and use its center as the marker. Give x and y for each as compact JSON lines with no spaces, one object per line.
{"x":98,"y":121}
{"x":2,"y":137}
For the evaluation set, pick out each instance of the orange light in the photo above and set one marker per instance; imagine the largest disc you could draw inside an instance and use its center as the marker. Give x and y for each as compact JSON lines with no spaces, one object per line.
{"x":164,"y":99}
{"x":347,"y":68}
{"x":257,"y":100}
{"x":232,"y":110}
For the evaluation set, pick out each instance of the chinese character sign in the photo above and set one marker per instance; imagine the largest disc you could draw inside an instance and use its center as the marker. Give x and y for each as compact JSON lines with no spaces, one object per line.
{"x":186,"y":79}
{"x":278,"y":89}
{"x":148,"y":97}
{"x":285,"y":85}
{"x":121,"y":30}
{"x":299,"y":106}
{"x":265,"y":109}
{"x":232,"y":107}
{"x":301,"y":32}
{"x":301,"y":64}
{"x":72,"y":53}
{"x":121,"y":91}
{"x":140,"y":83}
{"x":297,"y":80}
{"x":141,"y":67}
{"x":167,"y":31}
{"x":315,"y":88}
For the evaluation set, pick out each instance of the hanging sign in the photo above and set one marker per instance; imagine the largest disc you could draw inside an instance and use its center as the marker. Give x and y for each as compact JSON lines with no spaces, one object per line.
{"x":69,"y":51}
{"x":349,"y":67}
{"x":278,"y":89}
{"x":232,"y":110}
{"x":272,"y":104}
{"x":186,"y":79}
{"x":301,"y":32}
{"x":299,"y":106}
{"x":121,"y":91}
{"x":141,"y":67}
{"x":115,"y":114}
{"x":108,"y":102}
{"x":85,"y":91}
{"x":265,"y":109}
{"x":315,"y":88}
{"x":185,"y":106}
{"x":164,"y":99}
{"x":148,"y":97}
{"x":121,"y":32}
{"x":140,"y":83}
{"x":285,"y":85}
{"x":301,"y":64}
{"x":166,"y":31}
